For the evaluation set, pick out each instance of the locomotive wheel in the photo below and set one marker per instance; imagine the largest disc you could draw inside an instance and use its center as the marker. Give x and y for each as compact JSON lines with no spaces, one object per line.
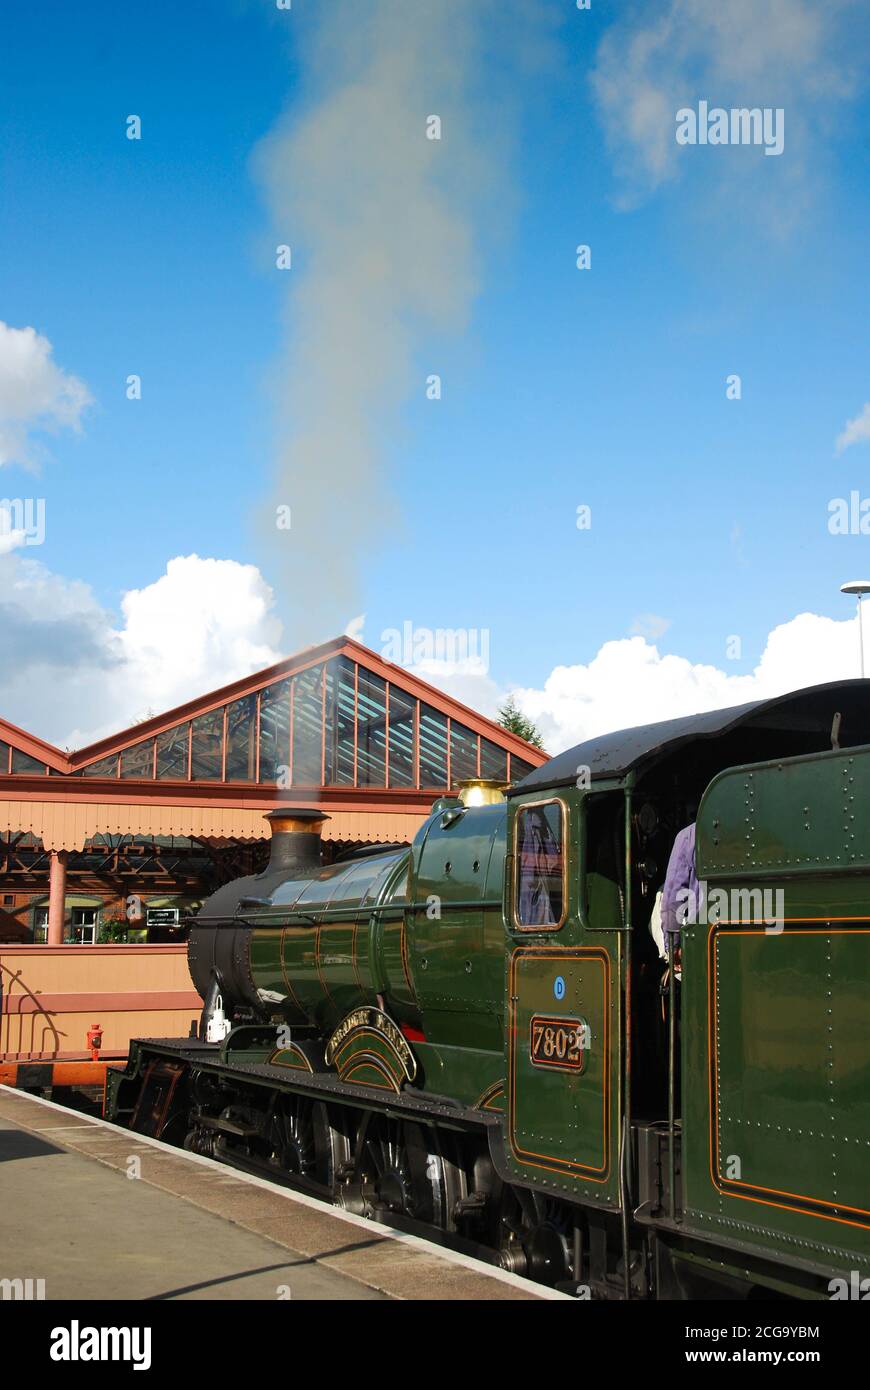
{"x":400,"y":1171}
{"x":291,"y":1141}
{"x":208,"y":1099}
{"x":304,"y":1141}
{"x":200,"y":1140}
{"x":535,"y":1236}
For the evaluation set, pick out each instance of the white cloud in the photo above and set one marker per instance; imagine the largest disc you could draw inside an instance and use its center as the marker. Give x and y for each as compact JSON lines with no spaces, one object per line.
{"x":793,"y":54}
{"x":79,"y":674}
{"x":11,"y":537}
{"x":857,"y":431}
{"x":201,"y":624}
{"x":630,"y":682}
{"x":35,"y":394}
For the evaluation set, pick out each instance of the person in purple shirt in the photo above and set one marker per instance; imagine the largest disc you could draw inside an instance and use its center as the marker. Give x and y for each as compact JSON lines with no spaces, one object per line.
{"x":680,"y":876}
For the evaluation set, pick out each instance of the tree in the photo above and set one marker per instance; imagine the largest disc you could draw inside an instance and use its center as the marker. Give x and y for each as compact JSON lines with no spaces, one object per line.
{"x":511,"y":717}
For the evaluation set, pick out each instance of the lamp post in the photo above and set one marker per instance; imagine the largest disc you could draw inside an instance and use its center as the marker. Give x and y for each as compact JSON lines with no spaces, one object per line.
{"x":859,"y":587}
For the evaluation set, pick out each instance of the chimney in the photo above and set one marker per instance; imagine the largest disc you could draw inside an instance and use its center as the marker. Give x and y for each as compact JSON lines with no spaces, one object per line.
{"x":296,"y":838}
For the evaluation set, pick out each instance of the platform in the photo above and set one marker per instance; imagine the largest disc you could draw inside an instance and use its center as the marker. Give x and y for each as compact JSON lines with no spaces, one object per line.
{"x":190,"y":1228}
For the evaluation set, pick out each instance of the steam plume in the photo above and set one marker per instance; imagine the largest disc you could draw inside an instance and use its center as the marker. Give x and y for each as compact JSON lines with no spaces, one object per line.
{"x":384,"y":225}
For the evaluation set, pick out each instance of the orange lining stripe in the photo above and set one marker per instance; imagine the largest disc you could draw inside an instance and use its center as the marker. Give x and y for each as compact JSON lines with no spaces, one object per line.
{"x":289,"y":1065}
{"x":368,"y":1059}
{"x":491,"y":1091}
{"x":403,"y":947}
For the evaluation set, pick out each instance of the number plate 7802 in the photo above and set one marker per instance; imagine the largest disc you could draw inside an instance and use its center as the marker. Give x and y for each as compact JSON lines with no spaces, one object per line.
{"x":558,"y":1042}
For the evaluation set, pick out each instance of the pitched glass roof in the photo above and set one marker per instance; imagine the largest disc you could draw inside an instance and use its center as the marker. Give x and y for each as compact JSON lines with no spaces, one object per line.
{"x":335,"y":715}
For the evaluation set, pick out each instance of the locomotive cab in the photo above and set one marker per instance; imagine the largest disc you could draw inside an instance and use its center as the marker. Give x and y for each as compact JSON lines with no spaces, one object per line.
{"x":761,"y":783}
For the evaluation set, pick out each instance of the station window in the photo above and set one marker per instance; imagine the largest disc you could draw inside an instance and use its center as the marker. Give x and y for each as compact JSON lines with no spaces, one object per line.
{"x":402,"y":711}
{"x":22,"y":762}
{"x":138,"y":761}
{"x":340,"y":722}
{"x":242,"y":739}
{"x":433,"y":747}
{"x":493,"y":761}
{"x":274,"y":733}
{"x":104,"y":767}
{"x":172,"y":752}
{"x":84,"y":926}
{"x":308,"y":727}
{"x":519,"y":769}
{"x":371,"y":730}
{"x":540,"y":860}
{"x":463,"y":753}
{"x":207,"y":747}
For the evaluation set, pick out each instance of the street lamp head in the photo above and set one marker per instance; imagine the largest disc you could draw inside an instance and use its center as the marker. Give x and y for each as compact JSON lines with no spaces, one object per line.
{"x":856,"y":586}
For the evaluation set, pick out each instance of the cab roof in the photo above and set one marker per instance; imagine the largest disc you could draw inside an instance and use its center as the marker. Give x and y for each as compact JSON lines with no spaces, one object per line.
{"x":784,"y":726}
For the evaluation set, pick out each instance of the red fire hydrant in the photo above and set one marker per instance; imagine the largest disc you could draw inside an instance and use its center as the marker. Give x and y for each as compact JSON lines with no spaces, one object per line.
{"x":95,"y":1041}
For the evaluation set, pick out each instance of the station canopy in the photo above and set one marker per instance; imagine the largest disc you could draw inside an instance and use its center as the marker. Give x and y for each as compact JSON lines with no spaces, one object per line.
{"x":335,"y":726}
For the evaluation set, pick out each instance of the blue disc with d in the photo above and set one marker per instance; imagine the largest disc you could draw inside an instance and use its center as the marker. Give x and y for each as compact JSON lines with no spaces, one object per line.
{"x":559,"y":987}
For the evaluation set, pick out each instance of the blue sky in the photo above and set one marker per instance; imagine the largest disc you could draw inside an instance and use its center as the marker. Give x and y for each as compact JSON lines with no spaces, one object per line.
{"x":604,"y":387}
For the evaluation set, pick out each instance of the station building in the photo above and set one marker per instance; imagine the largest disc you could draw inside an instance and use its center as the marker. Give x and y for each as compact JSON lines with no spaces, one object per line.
{"x":122,"y":840}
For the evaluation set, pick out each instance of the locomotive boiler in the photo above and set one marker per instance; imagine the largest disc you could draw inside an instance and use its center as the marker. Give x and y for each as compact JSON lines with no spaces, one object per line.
{"x":478,"y":1032}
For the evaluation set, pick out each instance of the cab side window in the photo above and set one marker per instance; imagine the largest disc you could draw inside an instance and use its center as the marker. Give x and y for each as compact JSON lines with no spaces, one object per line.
{"x":540,"y":861}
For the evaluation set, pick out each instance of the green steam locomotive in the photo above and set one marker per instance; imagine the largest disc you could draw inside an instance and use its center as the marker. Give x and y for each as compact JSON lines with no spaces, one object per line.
{"x":478,"y":1033}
